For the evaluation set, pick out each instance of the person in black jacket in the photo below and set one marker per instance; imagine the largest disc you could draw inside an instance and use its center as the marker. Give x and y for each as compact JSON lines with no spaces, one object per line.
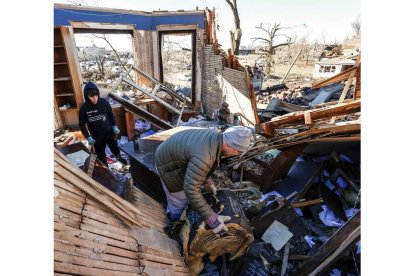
{"x":98,"y":124}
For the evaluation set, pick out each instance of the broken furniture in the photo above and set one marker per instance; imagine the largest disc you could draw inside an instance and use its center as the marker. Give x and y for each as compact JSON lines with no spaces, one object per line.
{"x":142,"y":162}
{"x":158,"y":92}
{"x":142,"y":168}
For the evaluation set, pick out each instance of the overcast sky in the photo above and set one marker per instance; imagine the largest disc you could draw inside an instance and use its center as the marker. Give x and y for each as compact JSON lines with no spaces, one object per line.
{"x":326,"y":20}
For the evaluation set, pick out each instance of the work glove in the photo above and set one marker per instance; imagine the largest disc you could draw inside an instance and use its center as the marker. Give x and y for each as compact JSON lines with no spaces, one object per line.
{"x":216,"y":223}
{"x":91,"y":141}
{"x":209,"y":186}
{"x":116,"y":130}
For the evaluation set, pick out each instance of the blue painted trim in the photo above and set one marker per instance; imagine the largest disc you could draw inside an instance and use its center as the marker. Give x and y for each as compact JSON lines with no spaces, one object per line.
{"x":141,"y":22}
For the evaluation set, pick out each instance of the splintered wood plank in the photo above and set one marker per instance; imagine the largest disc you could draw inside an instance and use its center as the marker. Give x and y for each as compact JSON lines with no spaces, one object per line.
{"x":151,"y":221}
{"x":141,"y":197}
{"x":308,"y":118}
{"x":307,"y":203}
{"x":94,"y":245}
{"x":107,"y":227}
{"x":67,"y":218}
{"x":59,"y":178}
{"x":100,"y":211}
{"x":74,"y":179}
{"x":67,"y":205}
{"x":69,"y":187}
{"x":71,"y":197}
{"x":320,"y":113}
{"x":345,"y":91}
{"x":152,"y":251}
{"x":159,"y":259}
{"x":79,"y":176}
{"x":124,"y":248}
{"x":63,"y":257}
{"x":94,"y":254}
{"x":63,"y":201}
{"x":157,"y":215}
{"x":83,"y":270}
{"x":104,"y":219}
{"x":171,"y":268}
{"x":103,"y":232}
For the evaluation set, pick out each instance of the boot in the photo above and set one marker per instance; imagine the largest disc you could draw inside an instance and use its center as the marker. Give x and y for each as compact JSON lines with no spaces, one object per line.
{"x":121,"y":159}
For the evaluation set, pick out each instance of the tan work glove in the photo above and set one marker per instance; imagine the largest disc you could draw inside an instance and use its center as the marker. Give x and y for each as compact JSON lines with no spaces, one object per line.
{"x":209,"y":186}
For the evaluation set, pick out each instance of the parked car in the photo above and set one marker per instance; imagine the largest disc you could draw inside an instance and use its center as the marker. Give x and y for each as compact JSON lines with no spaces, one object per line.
{"x":185,"y":77}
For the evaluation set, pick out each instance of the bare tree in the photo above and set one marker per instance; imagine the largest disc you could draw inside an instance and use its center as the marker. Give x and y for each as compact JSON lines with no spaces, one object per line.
{"x":100,"y":61}
{"x":235,"y":35}
{"x":268,"y":42}
{"x":356,"y":25}
{"x":304,"y":43}
{"x":105,"y":38}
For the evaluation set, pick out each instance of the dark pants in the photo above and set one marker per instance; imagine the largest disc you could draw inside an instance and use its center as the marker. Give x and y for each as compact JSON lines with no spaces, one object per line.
{"x":101,"y":142}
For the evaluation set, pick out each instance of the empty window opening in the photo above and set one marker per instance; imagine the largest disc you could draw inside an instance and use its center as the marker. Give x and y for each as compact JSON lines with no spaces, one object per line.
{"x":177,"y":61}
{"x":103,"y":57}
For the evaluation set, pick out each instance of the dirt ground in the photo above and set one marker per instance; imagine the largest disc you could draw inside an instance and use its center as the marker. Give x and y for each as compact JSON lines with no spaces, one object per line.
{"x":300,"y":74}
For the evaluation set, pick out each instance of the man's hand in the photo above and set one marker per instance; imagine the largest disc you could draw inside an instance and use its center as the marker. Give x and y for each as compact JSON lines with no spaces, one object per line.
{"x":91,"y":141}
{"x":116,"y":130}
{"x":216,"y":222}
{"x":209,"y":186}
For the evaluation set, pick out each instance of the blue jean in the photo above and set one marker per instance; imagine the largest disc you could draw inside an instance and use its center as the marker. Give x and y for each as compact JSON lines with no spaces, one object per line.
{"x":177,"y":202}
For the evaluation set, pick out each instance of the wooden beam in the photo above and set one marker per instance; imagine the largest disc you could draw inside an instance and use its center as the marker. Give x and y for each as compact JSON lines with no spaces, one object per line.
{"x":252,"y":97}
{"x":308,"y":118}
{"x":177,"y":27}
{"x":307,"y":203}
{"x":337,"y":78}
{"x":320,"y":113}
{"x":345,"y":91}
{"x":104,"y":26}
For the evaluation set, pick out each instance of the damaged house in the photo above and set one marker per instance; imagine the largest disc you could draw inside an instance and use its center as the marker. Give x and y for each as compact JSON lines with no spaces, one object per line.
{"x":293,"y":197}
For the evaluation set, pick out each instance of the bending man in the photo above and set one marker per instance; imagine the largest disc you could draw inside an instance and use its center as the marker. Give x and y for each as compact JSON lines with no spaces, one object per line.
{"x":186,"y":160}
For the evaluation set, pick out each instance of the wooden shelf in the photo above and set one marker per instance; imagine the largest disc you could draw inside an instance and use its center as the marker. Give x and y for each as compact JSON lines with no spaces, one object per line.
{"x":63,"y":79}
{"x":65,"y":95}
{"x":67,"y":86}
{"x":68,"y":109}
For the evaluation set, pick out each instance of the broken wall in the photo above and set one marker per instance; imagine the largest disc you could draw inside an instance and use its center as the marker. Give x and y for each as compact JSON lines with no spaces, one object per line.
{"x":225,"y":84}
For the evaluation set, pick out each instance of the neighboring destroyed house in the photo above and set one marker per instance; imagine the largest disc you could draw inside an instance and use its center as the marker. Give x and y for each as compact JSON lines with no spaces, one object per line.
{"x":329,"y":67}
{"x":335,"y":59}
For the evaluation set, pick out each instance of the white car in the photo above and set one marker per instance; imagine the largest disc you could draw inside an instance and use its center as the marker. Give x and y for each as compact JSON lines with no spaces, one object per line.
{"x":185,"y":77}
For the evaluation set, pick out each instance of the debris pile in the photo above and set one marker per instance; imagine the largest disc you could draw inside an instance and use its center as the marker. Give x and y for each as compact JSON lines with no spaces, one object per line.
{"x":291,"y":223}
{"x":97,"y":232}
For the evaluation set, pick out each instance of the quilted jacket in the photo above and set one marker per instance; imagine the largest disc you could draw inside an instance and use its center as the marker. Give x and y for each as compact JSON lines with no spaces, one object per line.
{"x":185,"y":160}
